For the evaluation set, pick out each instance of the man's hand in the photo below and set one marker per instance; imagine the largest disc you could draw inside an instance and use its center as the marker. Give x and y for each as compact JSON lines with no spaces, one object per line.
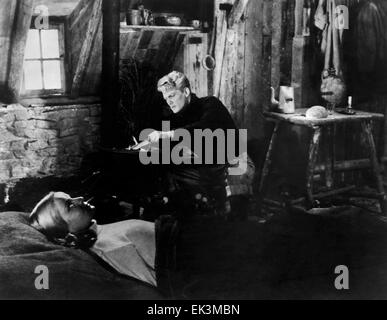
{"x":155,"y":136}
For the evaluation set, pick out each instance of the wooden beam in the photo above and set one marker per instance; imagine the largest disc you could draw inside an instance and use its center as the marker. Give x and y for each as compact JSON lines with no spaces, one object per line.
{"x":239,"y":78}
{"x":347,"y":165}
{"x":276,"y":43}
{"x":237,"y":12}
{"x":299,"y":70}
{"x":84,"y":57}
{"x":7,"y":16}
{"x":266,"y":54}
{"x":78,"y":13}
{"x":298,"y":56}
{"x":178,"y":44}
{"x":254,"y":83}
{"x":21,"y":25}
{"x":227,"y":84}
{"x":220,"y":51}
{"x":110,"y":71}
{"x":92,"y":80}
{"x":298,"y":17}
{"x":194,"y":53}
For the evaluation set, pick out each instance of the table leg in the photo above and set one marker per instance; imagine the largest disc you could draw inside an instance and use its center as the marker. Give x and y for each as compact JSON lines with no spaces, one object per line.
{"x":367,"y":130}
{"x":266,"y":166}
{"x":312,"y":157}
{"x":329,"y":156}
{"x":265,"y":170}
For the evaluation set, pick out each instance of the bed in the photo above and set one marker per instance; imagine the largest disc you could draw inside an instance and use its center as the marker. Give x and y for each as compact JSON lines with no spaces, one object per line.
{"x":72,"y":273}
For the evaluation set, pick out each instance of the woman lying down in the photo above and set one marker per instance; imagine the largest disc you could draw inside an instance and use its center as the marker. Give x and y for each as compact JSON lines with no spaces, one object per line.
{"x":140,"y":249}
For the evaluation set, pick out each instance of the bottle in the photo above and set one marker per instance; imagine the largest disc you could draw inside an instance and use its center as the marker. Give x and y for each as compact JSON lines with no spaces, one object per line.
{"x":349,"y":106}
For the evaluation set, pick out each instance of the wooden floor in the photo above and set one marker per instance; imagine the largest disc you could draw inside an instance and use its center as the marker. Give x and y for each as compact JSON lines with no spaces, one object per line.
{"x":291,"y":256}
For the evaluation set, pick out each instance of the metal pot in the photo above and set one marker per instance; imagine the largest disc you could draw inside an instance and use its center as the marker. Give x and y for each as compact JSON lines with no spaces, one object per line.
{"x":134,"y":17}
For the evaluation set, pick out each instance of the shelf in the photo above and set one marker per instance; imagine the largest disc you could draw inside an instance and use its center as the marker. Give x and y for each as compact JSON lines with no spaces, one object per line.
{"x":126,"y":28}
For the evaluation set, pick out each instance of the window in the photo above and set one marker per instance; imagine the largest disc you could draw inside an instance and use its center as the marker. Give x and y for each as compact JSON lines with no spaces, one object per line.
{"x":44,"y":62}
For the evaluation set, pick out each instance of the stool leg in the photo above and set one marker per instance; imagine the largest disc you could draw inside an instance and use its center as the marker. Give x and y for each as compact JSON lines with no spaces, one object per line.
{"x":266,"y":167}
{"x":329,"y":156}
{"x":313,"y":149}
{"x":367,"y":130}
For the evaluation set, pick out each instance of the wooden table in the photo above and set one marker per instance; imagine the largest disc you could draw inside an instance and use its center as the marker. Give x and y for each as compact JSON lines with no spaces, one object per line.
{"x":317,"y":126}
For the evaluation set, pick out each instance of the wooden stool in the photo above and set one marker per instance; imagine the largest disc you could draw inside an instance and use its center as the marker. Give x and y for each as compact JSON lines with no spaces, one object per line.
{"x":317,"y":126}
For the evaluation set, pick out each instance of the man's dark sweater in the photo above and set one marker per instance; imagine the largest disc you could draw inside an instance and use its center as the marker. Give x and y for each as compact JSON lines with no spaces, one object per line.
{"x":204,"y":113}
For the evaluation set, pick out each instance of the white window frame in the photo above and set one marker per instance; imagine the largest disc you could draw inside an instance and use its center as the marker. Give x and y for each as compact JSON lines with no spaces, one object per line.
{"x":60,"y":26}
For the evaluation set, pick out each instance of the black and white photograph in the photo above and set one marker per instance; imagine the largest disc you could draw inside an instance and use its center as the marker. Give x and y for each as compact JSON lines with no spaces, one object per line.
{"x":193,"y":154}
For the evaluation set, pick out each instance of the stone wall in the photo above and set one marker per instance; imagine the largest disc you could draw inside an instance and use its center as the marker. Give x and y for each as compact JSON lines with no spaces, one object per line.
{"x":41,"y":141}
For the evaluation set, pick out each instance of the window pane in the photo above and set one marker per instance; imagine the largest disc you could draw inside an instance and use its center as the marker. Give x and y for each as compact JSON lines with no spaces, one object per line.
{"x":33,"y":45}
{"x":32,"y":75}
{"x":50,"y":44}
{"x":52,"y":78}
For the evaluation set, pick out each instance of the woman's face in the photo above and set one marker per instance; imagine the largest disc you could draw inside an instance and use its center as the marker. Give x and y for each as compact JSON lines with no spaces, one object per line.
{"x":75,"y":211}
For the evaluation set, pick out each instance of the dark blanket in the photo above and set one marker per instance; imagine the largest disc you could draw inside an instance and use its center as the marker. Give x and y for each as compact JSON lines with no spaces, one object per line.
{"x":73,"y":273}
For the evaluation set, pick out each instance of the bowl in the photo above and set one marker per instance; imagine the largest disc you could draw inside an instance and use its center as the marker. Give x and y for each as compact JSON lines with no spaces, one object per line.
{"x":196,"y":24}
{"x":174,"y":21}
{"x":167,"y":19}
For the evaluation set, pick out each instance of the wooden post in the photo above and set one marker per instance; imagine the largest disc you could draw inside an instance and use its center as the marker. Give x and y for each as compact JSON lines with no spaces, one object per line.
{"x":7,"y":17}
{"x":299,"y":67}
{"x":110,"y":70}
{"x":254,"y":83}
{"x":266,"y":54}
{"x":227,"y":84}
{"x":298,"y":16}
{"x":21,"y":26}
{"x":194,"y":52}
{"x":268,"y":159}
{"x":262,"y":187}
{"x":276,"y":43}
{"x":367,"y":131}
{"x":313,"y":150}
{"x":239,"y":96}
{"x":220,"y":50}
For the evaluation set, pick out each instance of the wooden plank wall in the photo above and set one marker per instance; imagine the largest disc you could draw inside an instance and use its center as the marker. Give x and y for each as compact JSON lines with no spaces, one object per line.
{"x":252,"y":55}
{"x":195,"y":49}
{"x":84,"y":47}
{"x":155,"y":48}
{"x":245,"y":73}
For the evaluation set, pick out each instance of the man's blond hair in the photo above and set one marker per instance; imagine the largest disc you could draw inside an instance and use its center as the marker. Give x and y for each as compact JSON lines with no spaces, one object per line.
{"x":174,"y":80}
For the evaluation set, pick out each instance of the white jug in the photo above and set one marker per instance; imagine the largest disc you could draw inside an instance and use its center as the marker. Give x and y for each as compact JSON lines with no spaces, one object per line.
{"x":286,"y":100}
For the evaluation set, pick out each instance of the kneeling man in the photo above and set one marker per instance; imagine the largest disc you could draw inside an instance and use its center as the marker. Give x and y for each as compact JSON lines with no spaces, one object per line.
{"x":194,"y":114}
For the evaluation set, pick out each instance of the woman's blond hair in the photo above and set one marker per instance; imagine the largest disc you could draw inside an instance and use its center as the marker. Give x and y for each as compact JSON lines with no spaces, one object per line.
{"x":47,"y":218}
